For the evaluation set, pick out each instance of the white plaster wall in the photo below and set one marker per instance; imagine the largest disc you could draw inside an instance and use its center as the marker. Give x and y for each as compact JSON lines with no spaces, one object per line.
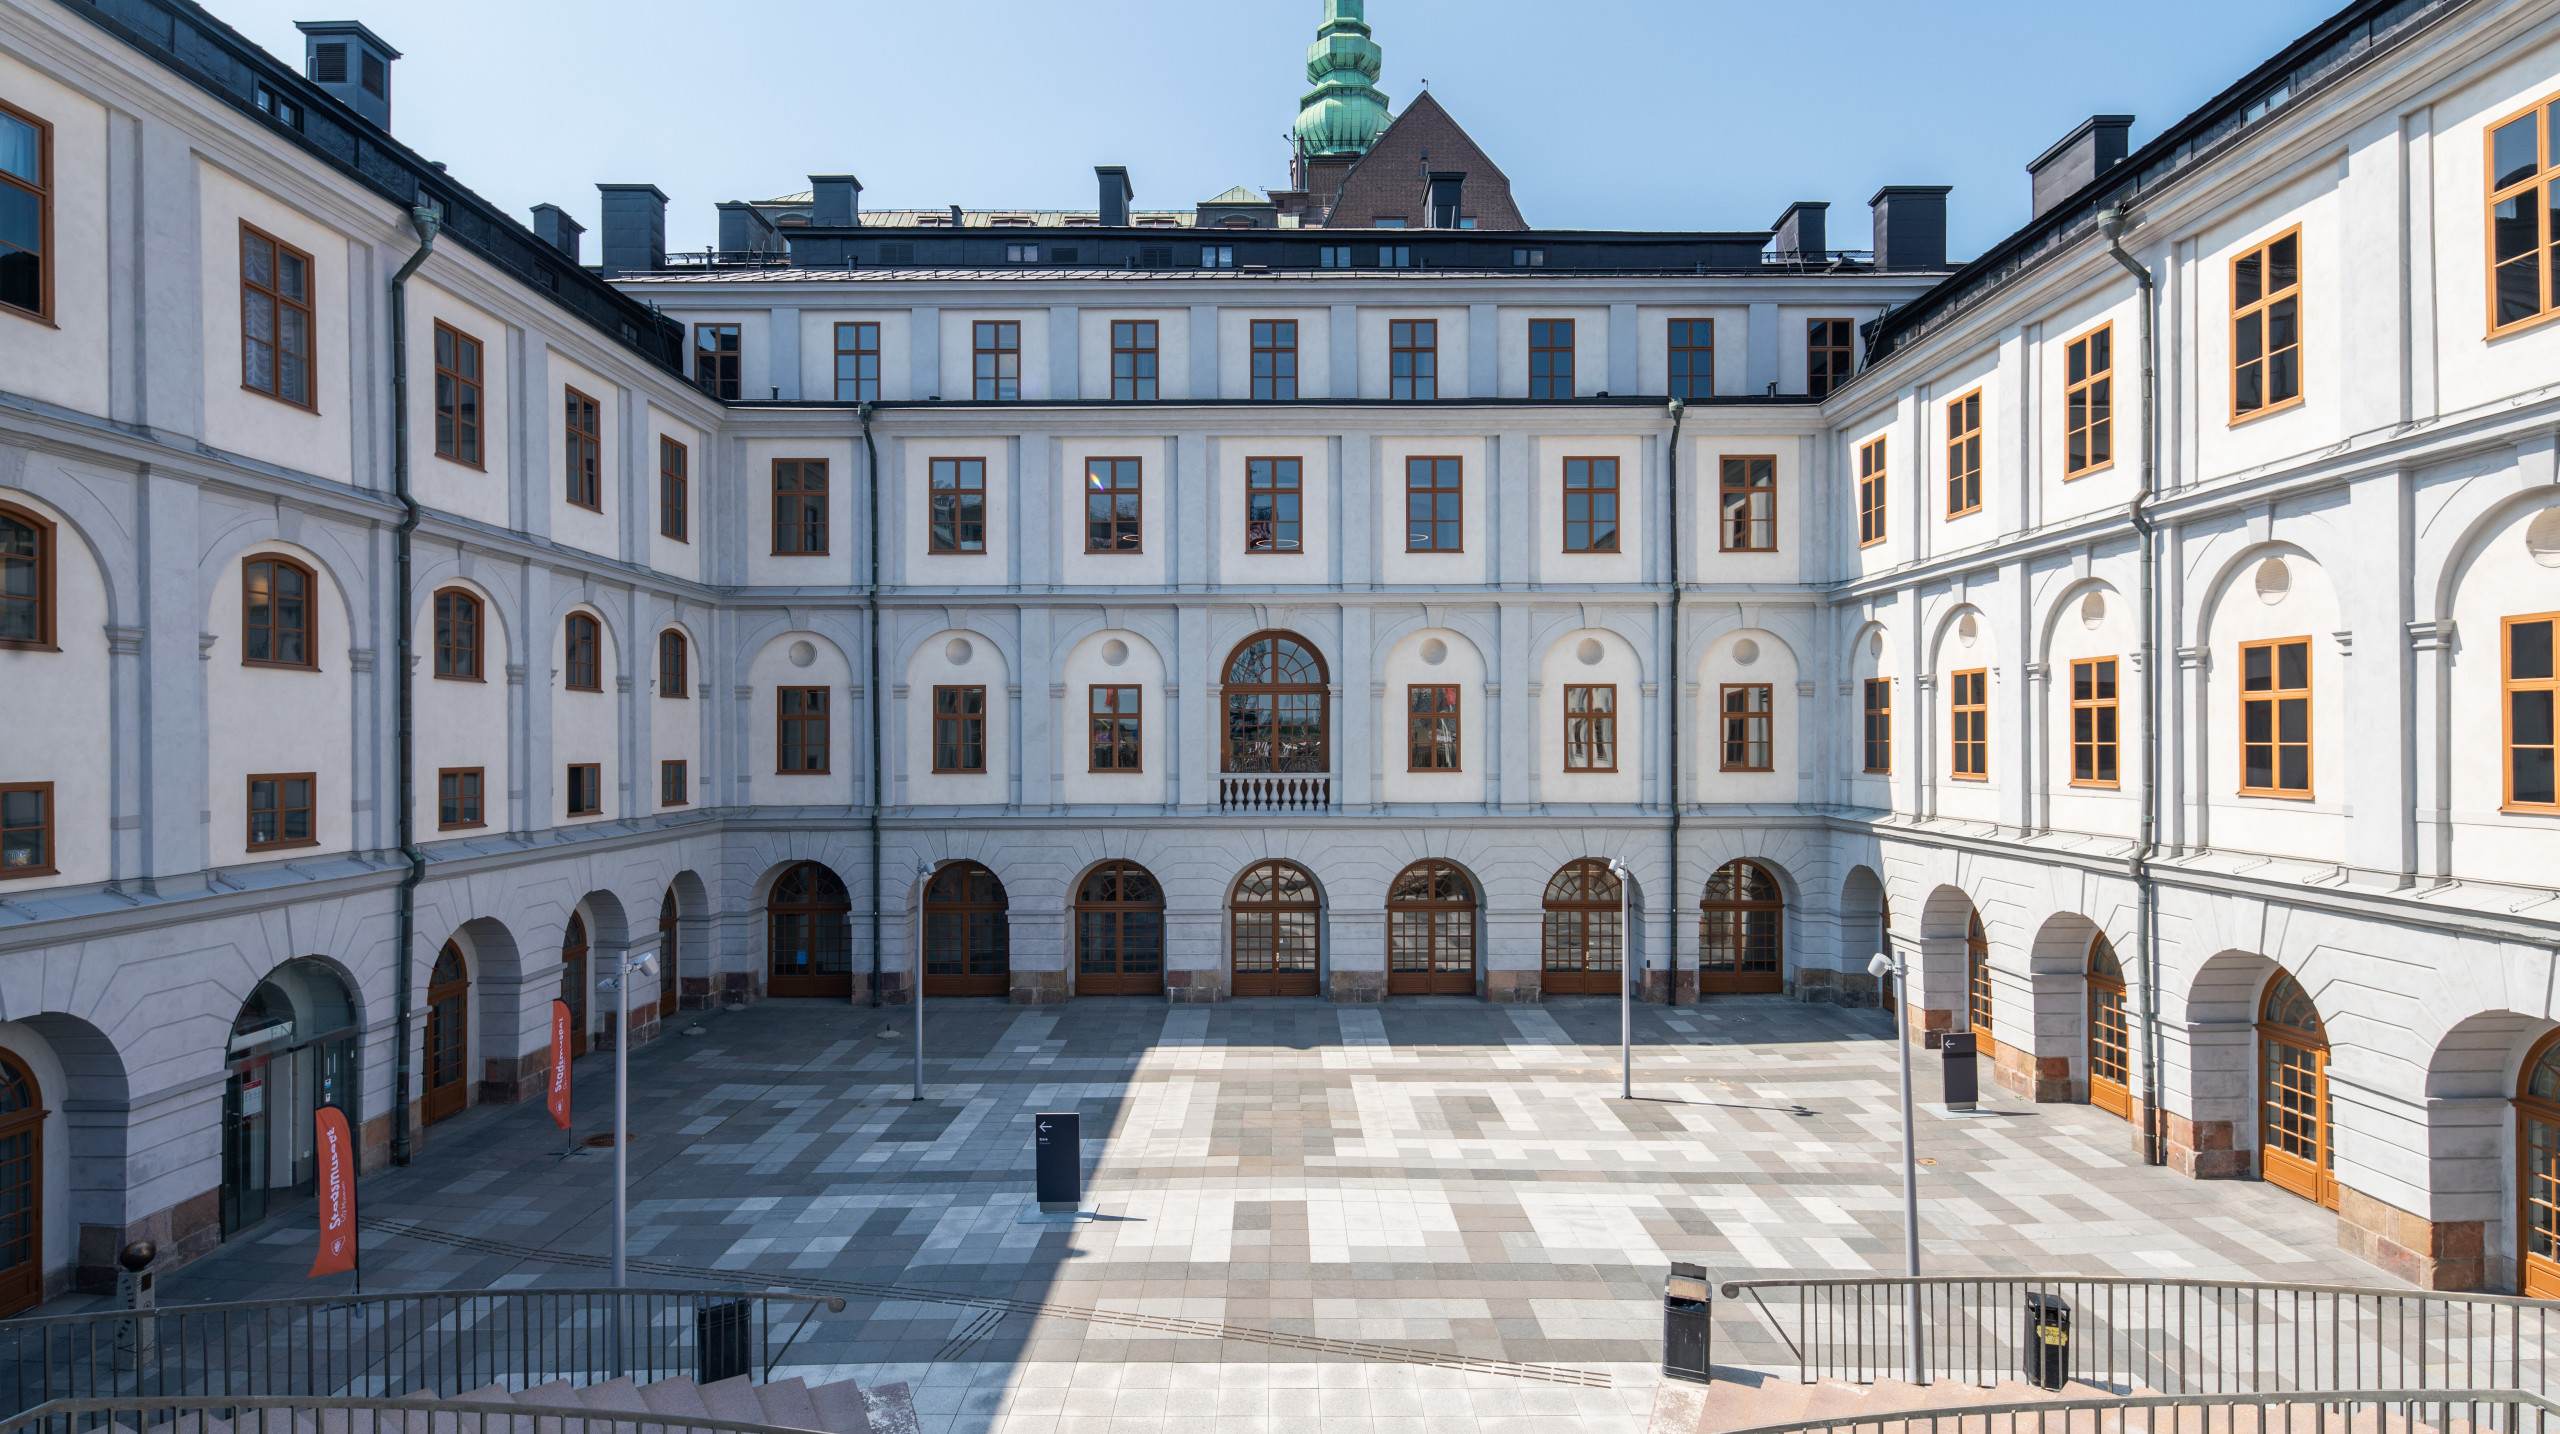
{"x":440,"y":482}
{"x":675,"y":724}
{"x":1235,"y":349}
{"x":1958,"y":650}
{"x":1798,"y":554}
{"x":1775,"y":664}
{"x":2470,"y":367}
{"x":2110,"y":300}
{"x":1374,"y":332}
{"x":1120,"y":658}
{"x":837,"y":564}
{"x":1873,"y":652}
{"x":1547,"y":551}
{"x":1397,"y":566}
{"x":2001,"y":512}
{"x":1590,"y":347}
{"x":1152,"y":564}
{"x":236,"y":417}
{"x":1173,"y":349}
{"x":1891,"y":425}
{"x":1792,"y":319}
{"x":65,"y":362}
{"x":800,"y":659}
{"x":276,"y":719}
{"x":963,"y":658}
{"x":755,"y":345}
{"x":959,"y":359}
{"x":1590,"y":655}
{"x":1733,"y":346}
{"x":52,"y":706}
{"x":2225,"y":443}
{"x":2505,"y":580}
{"x":818,"y":351}
{"x":914,"y":514}
{"x":586,"y":726}
{"x":462,"y":723}
{"x":1313,"y":562}
{"x":596,"y":531}
{"x":683,"y":560}
{"x":2116,"y":633}
{"x":2309,"y":608}
{"x":1411,"y":662}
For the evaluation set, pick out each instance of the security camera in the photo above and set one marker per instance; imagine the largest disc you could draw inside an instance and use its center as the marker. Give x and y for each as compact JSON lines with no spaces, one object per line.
{"x":1879,"y":965}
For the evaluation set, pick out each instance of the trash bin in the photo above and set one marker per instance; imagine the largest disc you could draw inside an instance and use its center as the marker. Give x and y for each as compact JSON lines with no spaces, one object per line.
{"x":1963,"y":1087}
{"x":1686,"y":1303}
{"x":2048,"y":1340}
{"x":723,"y":1340}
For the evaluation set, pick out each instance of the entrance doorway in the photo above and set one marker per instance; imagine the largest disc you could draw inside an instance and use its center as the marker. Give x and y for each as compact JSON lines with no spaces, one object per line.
{"x":1431,"y":932}
{"x":1120,"y":932}
{"x":22,"y":1115}
{"x":808,"y":943}
{"x":1275,"y":924}
{"x":292,"y":1050}
{"x":1585,"y":951}
{"x":448,"y":1036}
{"x":968,"y":948}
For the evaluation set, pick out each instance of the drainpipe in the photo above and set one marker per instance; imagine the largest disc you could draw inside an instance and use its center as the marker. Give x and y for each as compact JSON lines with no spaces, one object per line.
{"x":426,"y":219}
{"x":1671,"y":883}
{"x":2112,"y":223}
{"x":871,"y":623}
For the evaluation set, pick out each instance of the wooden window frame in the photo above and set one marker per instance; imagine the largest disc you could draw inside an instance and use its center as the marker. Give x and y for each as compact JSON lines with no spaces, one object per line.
{"x":2262,"y":309}
{"x":46,"y":254}
{"x":1101,"y":720}
{"x":2544,"y":181}
{"x":1434,"y":487}
{"x":858,"y":350}
{"x":2082,"y":344}
{"x":672,"y":681}
{"x":569,"y":679}
{"x":1294,"y":493}
{"x":478,"y":800}
{"x":2275,"y":697}
{"x":959,"y":467}
{"x":675,"y":782}
{"x":311,"y":813}
{"x":1134,"y":527}
{"x":448,"y":416}
{"x":960,"y":721}
{"x":1140,"y":336}
{"x":48,"y":614}
{"x":1843,"y":356}
{"x":52,"y":819}
{"x":1672,"y":348}
{"x":1979,"y":709}
{"x":1559,"y":358}
{"x":595,"y":785}
{"x":310,"y":615}
{"x":817,"y":712}
{"x":273,"y":292}
{"x":723,"y":366}
{"x":1873,"y":490}
{"x":675,"y":490}
{"x":1963,"y":416}
{"x":2508,"y":686}
{"x":1448,"y":704}
{"x":2111,"y":708}
{"x":800,"y":469}
{"x":1420,"y":348}
{"x":1257,"y":331}
{"x":991,"y":341}
{"x":1726,"y":467}
{"x":584,"y":447}
{"x":1274,"y":696}
{"x":478,"y":647}
{"x":1873,"y":741}
{"x":1591,"y":490}
{"x":1765,"y":717}
{"x":1603,"y":726}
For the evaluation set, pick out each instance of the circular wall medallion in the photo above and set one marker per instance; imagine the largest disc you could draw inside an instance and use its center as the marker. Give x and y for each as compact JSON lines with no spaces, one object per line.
{"x":1875,"y":645}
{"x":1434,"y":651}
{"x":803,"y":653}
{"x":2093,"y":609}
{"x":1745,"y":652}
{"x":1114,"y":653}
{"x":958,"y":652}
{"x":2542,"y":538}
{"x":2274,"y":581}
{"x":1968,"y":628}
{"x":1589,"y":652}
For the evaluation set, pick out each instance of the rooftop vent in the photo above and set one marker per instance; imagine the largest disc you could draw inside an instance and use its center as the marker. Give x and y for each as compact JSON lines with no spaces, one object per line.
{"x":352,"y":63}
{"x":2096,"y":145}
{"x":635,"y":227}
{"x":1116,"y":193}
{"x":1911,"y":226}
{"x":553,"y":224}
{"x":1801,"y":231}
{"x":835,"y":201}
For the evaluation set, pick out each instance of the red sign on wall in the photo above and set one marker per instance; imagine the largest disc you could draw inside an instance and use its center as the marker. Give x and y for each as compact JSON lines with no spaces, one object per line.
{"x":336,"y":1184}
{"x":558,"y":1096}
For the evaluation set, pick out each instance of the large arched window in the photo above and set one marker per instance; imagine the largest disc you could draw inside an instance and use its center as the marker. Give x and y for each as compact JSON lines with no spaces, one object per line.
{"x":458,"y":641}
{"x":672,"y":663}
{"x":1742,"y":931}
{"x":968,"y":944}
{"x":808,"y":939}
{"x":26,"y":579}
{"x":21,"y":1187}
{"x":2110,"y":1049}
{"x":2293,"y":1094}
{"x":670,"y":956}
{"x":2538,"y":1169}
{"x":573,"y":980}
{"x":278,"y":626}
{"x":1585,"y":947}
{"x":1977,"y":986}
{"x":1431,"y":931}
{"x":583,"y":660}
{"x":448,"y":1036}
{"x":1275,"y":688}
{"x":1275,"y":923}
{"x":1119,"y":931}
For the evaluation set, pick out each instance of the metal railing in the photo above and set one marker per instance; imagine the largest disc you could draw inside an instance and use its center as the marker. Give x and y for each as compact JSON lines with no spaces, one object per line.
{"x":394,"y":1345}
{"x":2167,"y":1336}
{"x":2364,"y":1411}
{"x":279,"y":1415}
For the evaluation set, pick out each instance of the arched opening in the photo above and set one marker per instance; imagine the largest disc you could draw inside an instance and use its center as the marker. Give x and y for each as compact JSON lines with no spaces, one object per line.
{"x":1978,"y":996}
{"x":1741,"y":932}
{"x":1431,"y":931}
{"x":448,"y":1036}
{"x":968,"y":944}
{"x":2538,"y":1170}
{"x":22,"y":1116}
{"x":1119,"y":932}
{"x":2110,"y":1046}
{"x":2293,"y":1093}
{"x":1275,"y":923}
{"x":1584,"y":943}
{"x":292,"y":1050}
{"x":1277,"y":727}
{"x":573,"y":980}
{"x":1865,"y":927}
{"x":670,"y":956}
{"x":808,"y":937}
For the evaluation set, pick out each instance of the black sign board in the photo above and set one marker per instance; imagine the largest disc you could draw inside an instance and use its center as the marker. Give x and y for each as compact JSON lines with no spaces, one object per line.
{"x":1057,"y":1145}
{"x":1963,"y":1088}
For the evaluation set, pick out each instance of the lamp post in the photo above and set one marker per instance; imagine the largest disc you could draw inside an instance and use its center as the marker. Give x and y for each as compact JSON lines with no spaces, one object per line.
{"x":627,"y":969}
{"x":1626,"y":990}
{"x":924,"y":877}
{"x":1889,"y":965}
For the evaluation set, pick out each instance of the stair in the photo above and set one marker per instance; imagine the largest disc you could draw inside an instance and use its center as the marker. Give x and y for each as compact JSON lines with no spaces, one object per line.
{"x":659,"y":1407}
{"x":1732,"y":1405}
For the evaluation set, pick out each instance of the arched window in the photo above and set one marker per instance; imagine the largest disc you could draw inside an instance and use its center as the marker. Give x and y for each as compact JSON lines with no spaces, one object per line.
{"x":585,"y":662}
{"x":968,"y":948}
{"x":448,"y":1036}
{"x":1275,"y":923}
{"x":573,"y":980}
{"x":2293,"y":1094}
{"x":1276,"y":722}
{"x":26,"y":579}
{"x":808,"y":941}
{"x":671,"y":663}
{"x":458,"y":641}
{"x":278,"y":627}
{"x":1431,"y":931}
{"x":22,"y":1116}
{"x":1741,"y":931}
{"x":2110,"y":1051}
{"x":1584,"y":943}
{"x":1119,"y":932}
{"x":1977,"y":986}
{"x":2538,"y":1168}
{"x":670,"y":956}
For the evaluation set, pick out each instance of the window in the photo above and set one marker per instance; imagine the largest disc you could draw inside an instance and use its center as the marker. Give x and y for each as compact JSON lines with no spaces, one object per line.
{"x":457,"y":396}
{"x":26,"y":214}
{"x":2088,"y":402}
{"x":1964,"y":454}
{"x":1969,"y":723}
{"x":1551,"y":358}
{"x":1395,"y":256}
{"x":1744,"y":715}
{"x":1828,"y":357}
{"x":457,"y":636}
{"x":2266,"y":326}
{"x":1022,"y":253}
{"x":2275,"y":718}
{"x":458,"y":793}
{"x":1111,"y":729}
{"x":1217,"y":256}
{"x":1434,"y":502}
{"x":1742,"y":931}
{"x":2524,"y":217}
{"x":1591,"y":505}
{"x":960,"y":729}
{"x":1119,"y":932}
{"x":2532,"y":692}
{"x":1275,"y":359}
{"x":674,"y":499}
{"x":1693,"y":358}
{"x":280,"y":811}
{"x":1276,"y":717}
{"x":857,"y":362}
{"x":26,"y":579}
{"x":675,"y":788}
{"x":1583,"y":948}
{"x":1431,"y":931}
{"x":1413,"y":358}
{"x":1877,"y":728}
{"x":1388,"y":221}
{"x":1747,"y":503}
{"x":1112,"y":505}
{"x":1528,"y":258}
{"x":799,"y":507}
{"x":583,"y":654}
{"x":1871,"y":488}
{"x":995,"y":350}
{"x":2093,"y":722}
{"x":26,"y":830}
{"x":800,"y":732}
{"x":1590,"y":727}
{"x":583,"y":420}
{"x":672,"y":663}
{"x":1273,"y":493}
{"x":276,"y":105}
{"x":278,"y":627}
{"x":1275,"y":924}
{"x":275,"y":317}
{"x":716,"y":353}
{"x":956,"y":505}
{"x":1333,"y":256}
{"x":1133,"y":360}
{"x":586,"y":789}
{"x":1431,"y":728}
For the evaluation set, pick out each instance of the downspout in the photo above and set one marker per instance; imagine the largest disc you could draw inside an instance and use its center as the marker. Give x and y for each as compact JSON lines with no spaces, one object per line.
{"x":426,"y":219}
{"x":1671,"y":881}
{"x":871,"y":623}
{"x":2112,"y":223}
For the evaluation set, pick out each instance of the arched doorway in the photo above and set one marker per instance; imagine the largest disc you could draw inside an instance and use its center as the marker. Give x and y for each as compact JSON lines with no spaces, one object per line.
{"x":1431,"y":931}
{"x":2538,"y":1170}
{"x":2110,"y":1049}
{"x":1741,"y":932}
{"x":573,"y":980}
{"x":1275,"y":752}
{"x":670,"y":957}
{"x":2293,"y":1093}
{"x":808,"y":942}
{"x":1275,"y":923}
{"x":22,"y":1116}
{"x":968,"y":945}
{"x":448,"y":1036}
{"x":1585,"y":950}
{"x":292,"y":1050}
{"x":1977,"y":986}
{"x":1119,"y":932}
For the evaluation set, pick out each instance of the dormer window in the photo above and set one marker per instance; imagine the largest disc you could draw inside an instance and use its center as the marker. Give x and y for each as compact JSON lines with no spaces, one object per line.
{"x":281,"y":108}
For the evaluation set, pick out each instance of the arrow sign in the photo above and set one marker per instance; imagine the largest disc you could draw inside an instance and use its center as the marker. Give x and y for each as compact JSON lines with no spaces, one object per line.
{"x":1057,"y":1146}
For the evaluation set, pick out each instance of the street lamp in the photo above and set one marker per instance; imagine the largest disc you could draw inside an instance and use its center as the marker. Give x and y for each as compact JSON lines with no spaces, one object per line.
{"x":626,"y":970}
{"x":1626,"y":990}
{"x":1889,"y":965}
{"x":924,"y":875}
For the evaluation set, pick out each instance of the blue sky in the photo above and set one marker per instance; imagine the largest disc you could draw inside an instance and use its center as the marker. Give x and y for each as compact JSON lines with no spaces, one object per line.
{"x":1630,"y":114}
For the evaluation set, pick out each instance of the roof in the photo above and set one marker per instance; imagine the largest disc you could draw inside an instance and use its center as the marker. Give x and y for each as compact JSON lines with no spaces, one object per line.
{"x":1240,"y":194}
{"x":1050,"y":273}
{"x":939,"y":217}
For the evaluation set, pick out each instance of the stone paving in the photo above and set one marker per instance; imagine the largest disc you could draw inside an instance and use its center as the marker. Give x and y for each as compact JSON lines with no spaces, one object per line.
{"x":1455,"y":1180}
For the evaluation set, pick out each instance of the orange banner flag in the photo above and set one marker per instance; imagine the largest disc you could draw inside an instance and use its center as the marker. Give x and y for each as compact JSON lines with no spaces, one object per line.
{"x":334,"y":1147}
{"x":558,"y":1097}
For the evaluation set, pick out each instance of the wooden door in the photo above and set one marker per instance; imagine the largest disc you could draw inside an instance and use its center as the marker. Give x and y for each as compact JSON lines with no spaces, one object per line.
{"x":21,"y":1187}
{"x":448,"y":1036}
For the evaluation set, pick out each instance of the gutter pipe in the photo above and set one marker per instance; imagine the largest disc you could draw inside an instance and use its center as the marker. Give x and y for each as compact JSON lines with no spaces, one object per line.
{"x":427,"y":219}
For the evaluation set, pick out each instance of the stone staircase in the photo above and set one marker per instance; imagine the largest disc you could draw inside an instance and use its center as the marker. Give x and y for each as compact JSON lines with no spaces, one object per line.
{"x":1730,"y":1404}
{"x":619,"y":1406}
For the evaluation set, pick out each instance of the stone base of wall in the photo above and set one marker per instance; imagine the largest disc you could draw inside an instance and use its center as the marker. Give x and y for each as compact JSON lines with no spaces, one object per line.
{"x":505,"y":1082}
{"x":2206,"y":1149}
{"x":2045,"y":1080}
{"x":2431,"y":1254}
{"x":892,"y":987}
{"x":1513,"y":988}
{"x":1656,"y":986}
{"x":1357,"y":988}
{"x":1929,"y":1023}
{"x":373,"y":1142}
{"x":185,"y":1230}
{"x":1196,"y":988}
{"x":694,"y":992}
{"x":1038,"y":988}
{"x":737,"y":988}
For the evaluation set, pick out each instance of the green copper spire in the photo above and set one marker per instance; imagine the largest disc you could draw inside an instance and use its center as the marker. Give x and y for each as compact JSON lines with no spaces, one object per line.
{"x":1344,"y":113}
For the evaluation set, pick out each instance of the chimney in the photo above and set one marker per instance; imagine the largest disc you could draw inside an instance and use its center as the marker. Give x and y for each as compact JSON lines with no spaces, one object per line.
{"x":835,"y":201}
{"x":2097,"y":145}
{"x":1447,"y":185}
{"x":744,"y":229}
{"x":1116,"y":194}
{"x":1800,"y":231}
{"x":635,"y":228}
{"x":558,"y":230}
{"x":352,"y":63}
{"x":1911,"y":226}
